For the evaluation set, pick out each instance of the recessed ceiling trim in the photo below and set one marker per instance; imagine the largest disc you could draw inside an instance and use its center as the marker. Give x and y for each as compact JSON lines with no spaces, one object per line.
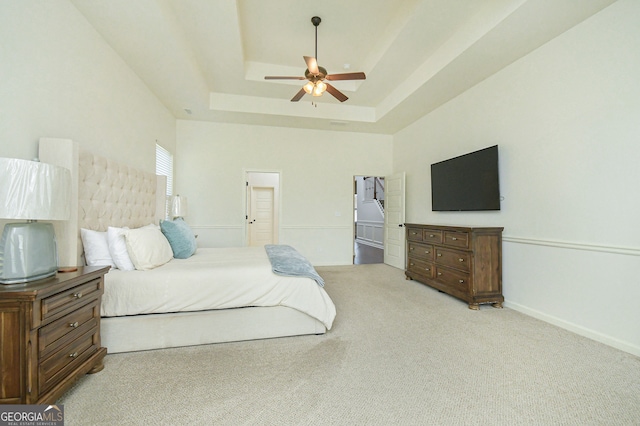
{"x":466,"y":36}
{"x":270,"y":106}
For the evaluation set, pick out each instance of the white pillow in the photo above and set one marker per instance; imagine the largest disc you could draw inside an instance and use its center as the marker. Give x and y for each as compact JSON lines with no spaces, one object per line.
{"x":148,"y":247}
{"x":96,"y":248}
{"x":118,"y":248}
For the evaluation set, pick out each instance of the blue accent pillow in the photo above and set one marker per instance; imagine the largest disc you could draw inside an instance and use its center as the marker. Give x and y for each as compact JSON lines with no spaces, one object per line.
{"x":180,"y":237}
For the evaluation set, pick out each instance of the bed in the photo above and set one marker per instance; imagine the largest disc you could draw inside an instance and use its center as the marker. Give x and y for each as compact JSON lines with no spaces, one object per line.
{"x":184,"y":302}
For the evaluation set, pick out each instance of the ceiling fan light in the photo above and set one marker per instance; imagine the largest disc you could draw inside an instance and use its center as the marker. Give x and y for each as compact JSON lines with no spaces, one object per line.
{"x":321,"y":85}
{"x":317,"y":90}
{"x":308,"y":87}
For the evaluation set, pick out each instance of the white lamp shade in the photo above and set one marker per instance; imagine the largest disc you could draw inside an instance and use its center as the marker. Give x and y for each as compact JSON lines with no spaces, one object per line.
{"x":178,"y":206}
{"x":34,"y":191}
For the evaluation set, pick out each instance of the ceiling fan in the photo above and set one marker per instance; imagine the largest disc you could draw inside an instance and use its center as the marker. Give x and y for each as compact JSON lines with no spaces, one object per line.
{"x":317,"y":76}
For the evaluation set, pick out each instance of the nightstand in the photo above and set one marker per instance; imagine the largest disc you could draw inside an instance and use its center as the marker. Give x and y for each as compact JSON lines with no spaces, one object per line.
{"x":50,"y":335}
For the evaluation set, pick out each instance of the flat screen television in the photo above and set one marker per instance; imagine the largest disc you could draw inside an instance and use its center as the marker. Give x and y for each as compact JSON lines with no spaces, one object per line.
{"x":466,"y":183}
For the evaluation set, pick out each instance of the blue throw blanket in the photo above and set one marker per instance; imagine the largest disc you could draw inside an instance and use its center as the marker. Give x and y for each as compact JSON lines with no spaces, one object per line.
{"x":285,"y":260}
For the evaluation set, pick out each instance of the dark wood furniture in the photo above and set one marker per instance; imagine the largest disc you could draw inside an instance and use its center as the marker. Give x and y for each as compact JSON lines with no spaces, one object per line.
{"x":460,"y":261}
{"x":49,"y":335}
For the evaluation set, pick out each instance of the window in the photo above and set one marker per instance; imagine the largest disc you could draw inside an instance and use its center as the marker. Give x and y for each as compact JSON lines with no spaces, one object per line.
{"x":164,"y":167}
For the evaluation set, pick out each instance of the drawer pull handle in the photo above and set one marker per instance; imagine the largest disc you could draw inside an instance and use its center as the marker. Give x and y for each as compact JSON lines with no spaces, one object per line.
{"x":427,"y":252}
{"x":439,"y":273}
{"x":454,"y":239}
{"x":439,"y":254}
{"x":431,"y":235}
{"x":461,"y":281}
{"x":73,"y":355}
{"x":427,"y":269}
{"x":410,"y":248}
{"x":411,"y":264}
{"x":461,"y":260}
{"x":73,"y":324}
{"x":77,"y":295}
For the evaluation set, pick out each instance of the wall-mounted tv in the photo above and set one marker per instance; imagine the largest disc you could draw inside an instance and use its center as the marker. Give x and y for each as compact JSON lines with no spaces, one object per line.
{"x":466,"y":183}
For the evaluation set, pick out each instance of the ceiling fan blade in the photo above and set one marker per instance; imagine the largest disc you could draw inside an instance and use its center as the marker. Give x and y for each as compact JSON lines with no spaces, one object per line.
{"x":281,"y":77}
{"x":336,"y":93}
{"x":312,"y":64}
{"x":347,"y":76}
{"x":298,"y":96}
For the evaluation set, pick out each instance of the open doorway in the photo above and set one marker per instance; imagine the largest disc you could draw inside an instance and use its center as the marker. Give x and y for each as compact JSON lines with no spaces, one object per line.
{"x":368,"y":217}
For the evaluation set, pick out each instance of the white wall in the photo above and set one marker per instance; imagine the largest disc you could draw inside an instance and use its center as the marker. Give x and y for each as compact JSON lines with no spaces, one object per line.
{"x":567,"y":122}
{"x":59,"y":78}
{"x":317,"y":170}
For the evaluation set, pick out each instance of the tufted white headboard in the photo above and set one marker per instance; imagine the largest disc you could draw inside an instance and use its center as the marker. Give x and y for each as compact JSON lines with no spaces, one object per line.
{"x":107,"y":194}
{"x":111,"y":194}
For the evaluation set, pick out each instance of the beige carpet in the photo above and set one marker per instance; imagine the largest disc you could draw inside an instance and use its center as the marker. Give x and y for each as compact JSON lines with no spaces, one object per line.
{"x":400,"y":353}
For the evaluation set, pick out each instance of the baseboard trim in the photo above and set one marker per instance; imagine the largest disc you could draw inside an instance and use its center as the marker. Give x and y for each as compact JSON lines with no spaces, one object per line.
{"x":582,"y":331}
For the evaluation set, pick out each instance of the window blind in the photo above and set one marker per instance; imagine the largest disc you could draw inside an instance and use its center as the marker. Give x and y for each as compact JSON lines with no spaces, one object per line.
{"x":164,"y":167}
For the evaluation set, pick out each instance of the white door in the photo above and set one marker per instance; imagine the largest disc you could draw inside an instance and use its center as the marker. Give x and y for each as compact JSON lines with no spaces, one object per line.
{"x":261,"y":224}
{"x":394,"y":232}
{"x":262,"y":208}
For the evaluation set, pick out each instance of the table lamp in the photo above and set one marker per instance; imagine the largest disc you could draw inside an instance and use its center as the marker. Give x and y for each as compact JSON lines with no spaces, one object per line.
{"x":177,"y":206}
{"x":31,"y":191}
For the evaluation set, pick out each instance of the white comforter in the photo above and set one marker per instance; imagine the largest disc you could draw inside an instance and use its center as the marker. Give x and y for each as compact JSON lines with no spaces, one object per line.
{"x":213,"y":278}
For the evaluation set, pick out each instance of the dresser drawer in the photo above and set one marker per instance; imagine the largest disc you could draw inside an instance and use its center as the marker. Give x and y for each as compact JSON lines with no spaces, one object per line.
{"x":68,"y":300}
{"x":414,"y":234}
{"x":421,"y":267}
{"x":67,"y":329}
{"x":432,"y":236}
{"x":453,"y":258}
{"x":420,"y":251}
{"x":456,"y":239}
{"x":61,"y":363}
{"x":456,"y":279}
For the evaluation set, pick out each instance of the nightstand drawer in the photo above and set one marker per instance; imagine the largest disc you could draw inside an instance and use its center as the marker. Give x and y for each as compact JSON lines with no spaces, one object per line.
{"x":67,"y":329}
{"x":420,"y":251}
{"x":67,"y":301}
{"x":61,"y":363}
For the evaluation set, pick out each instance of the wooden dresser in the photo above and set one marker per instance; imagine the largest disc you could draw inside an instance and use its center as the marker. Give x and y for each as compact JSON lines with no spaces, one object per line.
{"x":49,"y":335}
{"x":463,"y":262}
